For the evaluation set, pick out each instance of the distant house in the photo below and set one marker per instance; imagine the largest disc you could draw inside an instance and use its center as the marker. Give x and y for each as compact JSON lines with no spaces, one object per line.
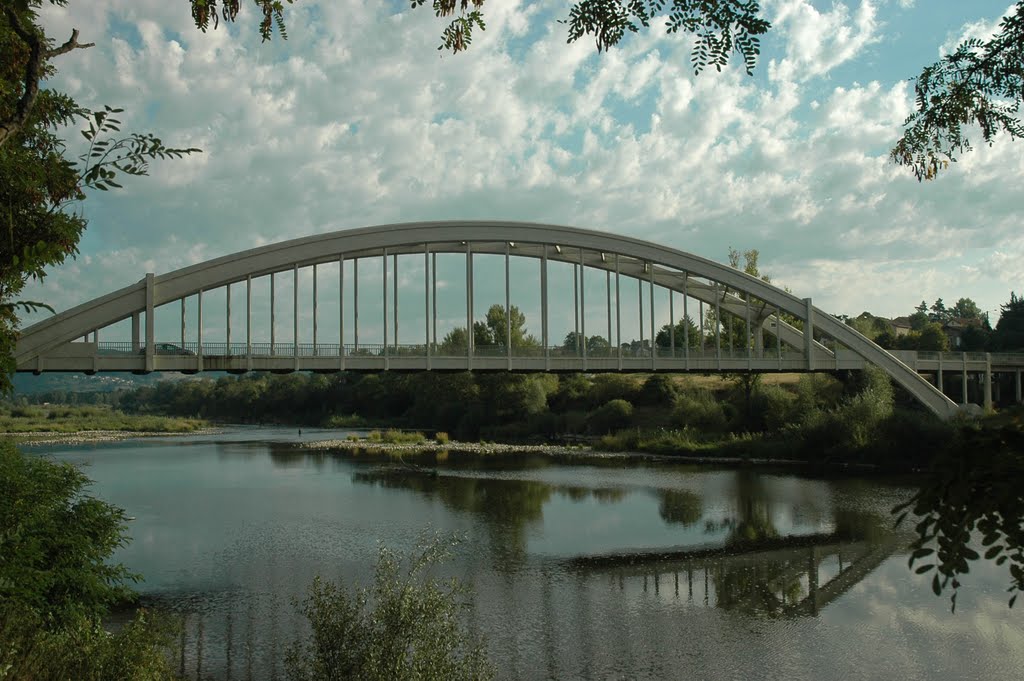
{"x":954,"y":330}
{"x":900,"y":326}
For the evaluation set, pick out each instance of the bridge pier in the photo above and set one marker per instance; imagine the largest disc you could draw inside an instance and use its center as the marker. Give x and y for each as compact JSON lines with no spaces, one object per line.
{"x":963,"y":378}
{"x":150,"y":325}
{"x":1016,"y":387}
{"x":988,"y":382}
{"x":809,"y":333}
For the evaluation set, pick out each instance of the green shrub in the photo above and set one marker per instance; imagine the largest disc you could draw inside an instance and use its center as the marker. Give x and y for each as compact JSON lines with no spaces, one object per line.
{"x":56,"y":540}
{"x":82,"y":649}
{"x":441,"y":437}
{"x":622,"y":441}
{"x":608,"y":387}
{"x":659,"y":390}
{"x":609,"y":417}
{"x":701,"y":410}
{"x":406,"y":626}
{"x":56,"y":583}
{"x":374,"y":436}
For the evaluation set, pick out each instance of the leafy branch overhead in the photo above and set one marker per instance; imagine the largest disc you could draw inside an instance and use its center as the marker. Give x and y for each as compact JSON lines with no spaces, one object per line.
{"x":980,"y":84}
{"x":130,"y":155}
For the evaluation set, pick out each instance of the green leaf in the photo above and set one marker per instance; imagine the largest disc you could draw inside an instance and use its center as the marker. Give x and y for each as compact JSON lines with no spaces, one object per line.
{"x":936,"y":586}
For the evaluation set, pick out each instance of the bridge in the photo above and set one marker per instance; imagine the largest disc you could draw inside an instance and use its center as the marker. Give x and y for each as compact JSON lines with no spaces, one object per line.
{"x":741,"y":323}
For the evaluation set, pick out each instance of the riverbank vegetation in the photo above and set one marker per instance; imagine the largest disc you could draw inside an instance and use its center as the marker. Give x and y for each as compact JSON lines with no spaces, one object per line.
{"x":407,"y":625}
{"x":57,"y":584}
{"x":848,"y":417}
{"x":24,"y":420}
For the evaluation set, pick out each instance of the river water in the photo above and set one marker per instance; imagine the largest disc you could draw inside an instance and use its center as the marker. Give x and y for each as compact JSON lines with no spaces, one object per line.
{"x":580,"y":567}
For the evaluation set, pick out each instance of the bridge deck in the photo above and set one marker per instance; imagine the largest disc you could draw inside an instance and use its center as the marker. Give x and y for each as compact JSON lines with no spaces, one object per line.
{"x":93,"y":357}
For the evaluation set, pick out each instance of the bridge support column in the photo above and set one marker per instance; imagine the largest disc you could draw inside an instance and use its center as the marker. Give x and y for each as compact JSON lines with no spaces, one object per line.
{"x":583,"y":313}
{"x":809,"y":333}
{"x":988,"y":381}
{"x":938,"y":376}
{"x":608,"y":300}
{"x":394,"y":295}
{"x":618,"y":314}
{"x":384,"y":306}
{"x":150,"y":326}
{"x":355,"y":305}
{"x":295,"y":314}
{"x":654,"y":346}
{"x":426,"y":301}
{"x":341,"y":312}
{"x":686,"y":323}
{"x":316,"y":328}
{"x":718,"y":327}
{"x":759,"y":341}
{"x":199,"y":330}
{"x":671,"y":324}
{"x":227,"y":317}
{"x":963,"y":377}
{"x":748,"y":338}
{"x":544,"y":308}
{"x":1016,"y":386}
{"x":433,"y":295}
{"x":576,"y":307}
{"x":136,"y":341}
{"x":508,"y":311}
{"x":469,"y":306}
{"x":248,"y":322}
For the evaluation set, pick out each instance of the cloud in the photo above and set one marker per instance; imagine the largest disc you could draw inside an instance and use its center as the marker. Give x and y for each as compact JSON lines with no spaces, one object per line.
{"x":357,"y":119}
{"x":817,"y":42}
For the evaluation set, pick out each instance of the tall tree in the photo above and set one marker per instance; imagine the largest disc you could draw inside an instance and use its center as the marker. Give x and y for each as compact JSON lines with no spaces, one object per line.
{"x":39,"y":184}
{"x":1009,"y":331}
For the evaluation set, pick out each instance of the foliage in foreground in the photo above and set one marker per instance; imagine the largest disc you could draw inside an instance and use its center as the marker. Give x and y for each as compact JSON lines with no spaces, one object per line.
{"x":56,"y":584}
{"x":83,"y":650}
{"x":54,"y":541}
{"x":408,"y":625}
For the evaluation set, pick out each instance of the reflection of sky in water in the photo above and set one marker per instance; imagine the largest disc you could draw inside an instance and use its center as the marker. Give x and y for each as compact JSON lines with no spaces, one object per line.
{"x":231,"y":528}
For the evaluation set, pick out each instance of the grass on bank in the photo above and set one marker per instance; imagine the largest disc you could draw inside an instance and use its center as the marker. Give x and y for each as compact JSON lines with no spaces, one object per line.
{"x":15,"y":420}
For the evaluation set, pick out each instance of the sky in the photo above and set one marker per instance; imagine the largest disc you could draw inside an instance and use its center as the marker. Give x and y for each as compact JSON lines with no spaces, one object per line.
{"x":357,"y":119}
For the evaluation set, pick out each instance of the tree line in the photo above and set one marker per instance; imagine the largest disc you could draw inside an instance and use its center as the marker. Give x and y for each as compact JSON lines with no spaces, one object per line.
{"x":931,"y":327}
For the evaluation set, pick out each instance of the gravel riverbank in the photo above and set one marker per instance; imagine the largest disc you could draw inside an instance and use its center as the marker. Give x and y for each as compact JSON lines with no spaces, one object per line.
{"x":85,"y":436}
{"x":453,"y":446}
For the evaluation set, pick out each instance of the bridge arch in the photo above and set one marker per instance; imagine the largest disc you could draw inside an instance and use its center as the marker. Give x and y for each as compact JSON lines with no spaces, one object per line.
{"x":730,"y":290}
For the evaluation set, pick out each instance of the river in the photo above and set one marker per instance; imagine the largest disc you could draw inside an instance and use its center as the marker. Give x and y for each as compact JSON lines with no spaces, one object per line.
{"x":580,"y":567}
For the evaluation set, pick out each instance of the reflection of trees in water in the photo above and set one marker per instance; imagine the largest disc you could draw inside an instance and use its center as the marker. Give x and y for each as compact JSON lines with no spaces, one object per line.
{"x":680,"y":506}
{"x":508,"y":508}
{"x":752,"y":512}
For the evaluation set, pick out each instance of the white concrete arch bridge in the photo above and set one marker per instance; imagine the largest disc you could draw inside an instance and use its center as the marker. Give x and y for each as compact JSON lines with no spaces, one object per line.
{"x":700,"y":289}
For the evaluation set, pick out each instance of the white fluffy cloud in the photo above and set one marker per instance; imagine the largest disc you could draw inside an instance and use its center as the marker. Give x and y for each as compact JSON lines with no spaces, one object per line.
{"x":357,"y":119}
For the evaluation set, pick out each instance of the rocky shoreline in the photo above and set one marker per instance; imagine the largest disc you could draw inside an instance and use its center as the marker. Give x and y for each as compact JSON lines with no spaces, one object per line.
{"x":43,"y":437}
{"x":435,"y":447}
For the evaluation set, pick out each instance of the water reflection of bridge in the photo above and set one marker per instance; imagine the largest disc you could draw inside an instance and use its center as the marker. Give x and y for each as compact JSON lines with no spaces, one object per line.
{"x":795,"y":577}
{"x":777,"y":582}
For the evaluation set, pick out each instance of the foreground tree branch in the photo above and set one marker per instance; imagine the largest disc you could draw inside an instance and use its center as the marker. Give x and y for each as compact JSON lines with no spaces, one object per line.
{"x":34,"y":69}
{"x":979,"y":85}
